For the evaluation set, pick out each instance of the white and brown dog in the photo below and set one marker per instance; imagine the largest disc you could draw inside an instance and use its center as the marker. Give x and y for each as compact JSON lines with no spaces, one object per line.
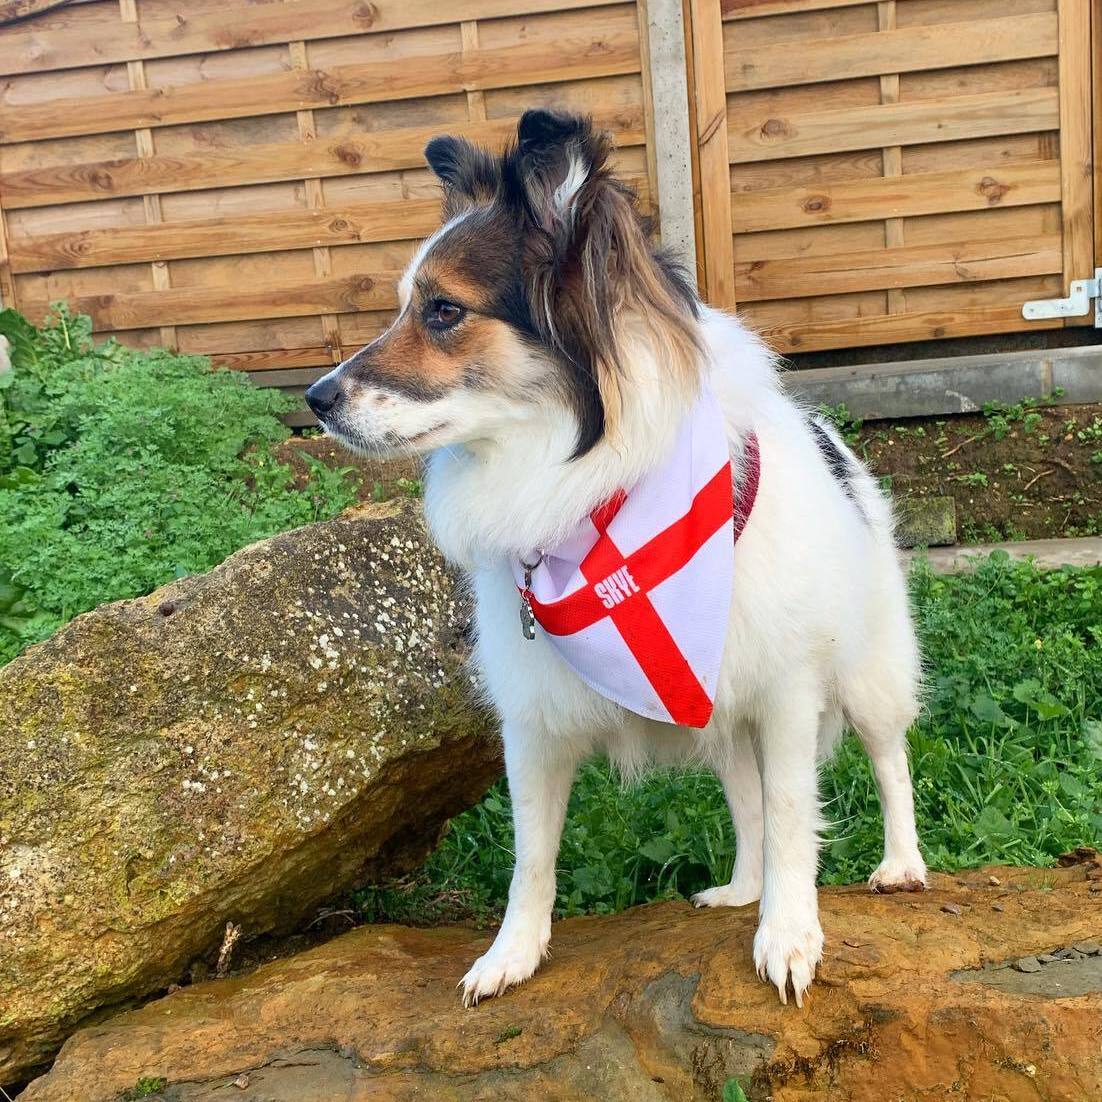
{"x":545,"y":357}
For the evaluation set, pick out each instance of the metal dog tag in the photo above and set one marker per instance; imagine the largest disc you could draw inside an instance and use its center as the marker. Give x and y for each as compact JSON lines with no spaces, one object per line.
{"x":527,"y":616}
{"x":527,"y":619}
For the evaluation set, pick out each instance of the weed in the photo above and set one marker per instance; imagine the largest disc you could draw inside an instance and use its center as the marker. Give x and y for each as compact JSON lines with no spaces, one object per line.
{"x":122,"y":469}
{"x":145,"y":1087}
{"x":848,"y":426}
{"x":733,"y":1092}
{"x":508,"y":1034}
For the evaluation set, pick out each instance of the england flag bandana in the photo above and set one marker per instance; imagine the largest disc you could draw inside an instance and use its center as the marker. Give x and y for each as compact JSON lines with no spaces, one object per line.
{"x":637,"y":600}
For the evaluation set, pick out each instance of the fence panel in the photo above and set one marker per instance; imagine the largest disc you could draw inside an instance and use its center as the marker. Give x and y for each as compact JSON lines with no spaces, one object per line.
{"x":246,"y":179}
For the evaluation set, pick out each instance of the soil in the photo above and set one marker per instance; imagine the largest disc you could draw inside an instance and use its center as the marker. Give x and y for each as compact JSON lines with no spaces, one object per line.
{"x":1030,"y":472}
{"x":374,"y":479}
{"x":1025,"y":472}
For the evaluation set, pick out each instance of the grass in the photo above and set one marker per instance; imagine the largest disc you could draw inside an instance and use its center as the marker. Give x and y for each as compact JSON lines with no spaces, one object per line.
{"x":123,"y":469}
{"x":1007,"y":760}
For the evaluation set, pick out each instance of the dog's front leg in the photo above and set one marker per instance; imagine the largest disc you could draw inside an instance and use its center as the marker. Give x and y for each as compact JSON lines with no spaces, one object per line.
{"x":540,"y":768}
{"x":789,"y":941}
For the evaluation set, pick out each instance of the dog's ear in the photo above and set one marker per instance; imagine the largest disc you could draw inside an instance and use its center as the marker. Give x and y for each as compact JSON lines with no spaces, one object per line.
{"x":469,"y":174}
{"x":588,"y":266}
{"x":557,"y":155}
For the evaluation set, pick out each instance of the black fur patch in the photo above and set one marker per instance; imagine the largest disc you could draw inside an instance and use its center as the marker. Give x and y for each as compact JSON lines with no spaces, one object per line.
{"x":834,"y":457}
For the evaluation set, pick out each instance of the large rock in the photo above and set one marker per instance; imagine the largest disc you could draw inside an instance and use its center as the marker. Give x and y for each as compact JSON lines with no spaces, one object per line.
{"x":659,"y":1004}
{"x":236,"y":747}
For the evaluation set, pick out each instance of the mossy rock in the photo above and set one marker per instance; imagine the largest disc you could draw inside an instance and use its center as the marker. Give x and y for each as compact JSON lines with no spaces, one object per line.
{"x":238,"y":746}
{"x":926,"y":522}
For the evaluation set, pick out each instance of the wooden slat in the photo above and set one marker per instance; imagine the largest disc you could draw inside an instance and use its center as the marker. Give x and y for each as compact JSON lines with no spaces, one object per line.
{"x":888,"y":328}
{"x":34,"y":50}
{"x":1076,"y":165}
{"x":940,"y":46}
{"x":605,"y":47}
{"x":13,"y":10}
{"x":751,"y":9}
{"x":905,"y":266}
{"x":343,"y":156}
{"x":911,"y":123}
{"x":181,"y":306}
{"x":278,"y":366}
{"x":899,"y":197}
{"x":713,"y":156}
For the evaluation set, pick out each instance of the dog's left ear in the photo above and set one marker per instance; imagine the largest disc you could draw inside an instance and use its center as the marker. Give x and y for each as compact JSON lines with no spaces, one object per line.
{"x":557,"y":155}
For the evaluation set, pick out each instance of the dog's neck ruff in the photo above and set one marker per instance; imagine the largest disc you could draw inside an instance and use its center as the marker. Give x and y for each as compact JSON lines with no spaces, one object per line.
{"x":637,"y":600}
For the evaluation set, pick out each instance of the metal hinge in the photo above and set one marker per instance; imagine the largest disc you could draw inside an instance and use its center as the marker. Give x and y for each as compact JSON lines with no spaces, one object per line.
{"x":1075,"y":305}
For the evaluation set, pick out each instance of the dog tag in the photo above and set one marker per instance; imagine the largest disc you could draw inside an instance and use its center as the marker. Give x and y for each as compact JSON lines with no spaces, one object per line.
{"x":527,"y":619}
{"x":527,"y":616}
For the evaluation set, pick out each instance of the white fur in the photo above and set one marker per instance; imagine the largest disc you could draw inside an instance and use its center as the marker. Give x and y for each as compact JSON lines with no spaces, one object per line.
{"x":820,"y":634}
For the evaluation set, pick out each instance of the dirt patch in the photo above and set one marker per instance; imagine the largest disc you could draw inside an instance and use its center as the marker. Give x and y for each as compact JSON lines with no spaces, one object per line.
{"x":374,"y":479}
{"x":1026,"y":472}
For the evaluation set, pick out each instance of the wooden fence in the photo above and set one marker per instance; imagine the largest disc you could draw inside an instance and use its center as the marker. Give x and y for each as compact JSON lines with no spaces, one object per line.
{"x":246,"y":179}
{"x":899,"y":170}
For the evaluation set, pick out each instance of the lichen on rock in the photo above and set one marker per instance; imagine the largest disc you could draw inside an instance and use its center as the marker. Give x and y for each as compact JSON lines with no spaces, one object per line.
{"x":239,"y":745}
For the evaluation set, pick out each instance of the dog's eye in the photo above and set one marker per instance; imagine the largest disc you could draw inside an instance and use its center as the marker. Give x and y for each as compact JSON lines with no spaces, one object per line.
{"x":442,"y":314}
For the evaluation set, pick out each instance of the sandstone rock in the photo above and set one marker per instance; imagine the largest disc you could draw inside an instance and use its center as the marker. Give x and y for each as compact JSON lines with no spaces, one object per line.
{"x":236,"y":747}
{"x":659,"y":1004}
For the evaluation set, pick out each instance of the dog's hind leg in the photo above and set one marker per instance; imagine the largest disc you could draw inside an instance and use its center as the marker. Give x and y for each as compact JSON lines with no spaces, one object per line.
{"x":540,"y":769}
{"x":880,"y":704}
{"x":738,"y":773}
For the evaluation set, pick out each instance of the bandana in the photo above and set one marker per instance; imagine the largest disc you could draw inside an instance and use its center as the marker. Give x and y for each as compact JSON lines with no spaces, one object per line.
{"x":637,"y":600}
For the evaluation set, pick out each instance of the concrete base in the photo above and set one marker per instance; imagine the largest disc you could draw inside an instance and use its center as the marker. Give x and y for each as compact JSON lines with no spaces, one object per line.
{"x":1047,"y":554}
{"x":958,"y":384}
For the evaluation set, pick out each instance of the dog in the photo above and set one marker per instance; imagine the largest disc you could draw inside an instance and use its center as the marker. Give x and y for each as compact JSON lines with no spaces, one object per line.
{"x":544,"y":358}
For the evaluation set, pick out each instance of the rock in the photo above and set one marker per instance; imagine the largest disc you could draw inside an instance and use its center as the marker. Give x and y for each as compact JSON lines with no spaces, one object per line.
{"x":659,"y":1004}
{"x":298,"y":724}
{"x":1088,"y":948}
{"x":925,"y":522}
{"x":1027,"y":964}
{"x":952,"y":908}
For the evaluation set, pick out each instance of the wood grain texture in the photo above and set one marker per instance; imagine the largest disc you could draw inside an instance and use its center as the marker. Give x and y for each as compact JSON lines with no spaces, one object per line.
{"x":832,"y":130}
{"x":905,"y":266}
{"x":346,"y":155}
{"x":750,"y":9}
{"x":897,"y":328}
{"x":32,"y":50}
{"x":713,"y":154}
{"x":12,"y":11}
{"x":605,"y":45}
{"x":180,"y":306}
{"x":940,"y":46}
{"x":898,"y":197}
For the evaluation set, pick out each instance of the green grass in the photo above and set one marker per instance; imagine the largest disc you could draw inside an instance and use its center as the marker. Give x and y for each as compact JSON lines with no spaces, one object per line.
{"x":122,"y":469}
{"x":1007,"y":760}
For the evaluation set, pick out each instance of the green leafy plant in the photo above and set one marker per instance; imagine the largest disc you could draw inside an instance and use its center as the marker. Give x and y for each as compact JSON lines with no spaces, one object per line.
{"x":122,"y":469}
{"x":1007,"y":761}
{"x":145,"y":1087}
{"x":733,"y":1092}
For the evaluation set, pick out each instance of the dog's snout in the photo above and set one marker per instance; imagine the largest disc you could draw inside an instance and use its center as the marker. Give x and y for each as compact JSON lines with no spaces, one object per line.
{"x":323,"y":395}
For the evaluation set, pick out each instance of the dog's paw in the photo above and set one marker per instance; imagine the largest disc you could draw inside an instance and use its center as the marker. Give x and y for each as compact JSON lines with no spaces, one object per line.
{"x":728,"y":895}
{"x":498,"y":970}
{"x":899,"y":876}
{"x":788,"y":953}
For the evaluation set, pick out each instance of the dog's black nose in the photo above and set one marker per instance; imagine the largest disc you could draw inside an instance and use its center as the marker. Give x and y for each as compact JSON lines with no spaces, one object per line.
{"x":323,"y":395}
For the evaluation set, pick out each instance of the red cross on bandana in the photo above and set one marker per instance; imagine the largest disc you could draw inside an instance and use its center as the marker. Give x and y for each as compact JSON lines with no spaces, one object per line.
{"x":620,"y":588}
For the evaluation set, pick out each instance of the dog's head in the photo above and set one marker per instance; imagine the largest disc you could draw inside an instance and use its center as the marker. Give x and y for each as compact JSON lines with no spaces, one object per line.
{"x":524,"y":297}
